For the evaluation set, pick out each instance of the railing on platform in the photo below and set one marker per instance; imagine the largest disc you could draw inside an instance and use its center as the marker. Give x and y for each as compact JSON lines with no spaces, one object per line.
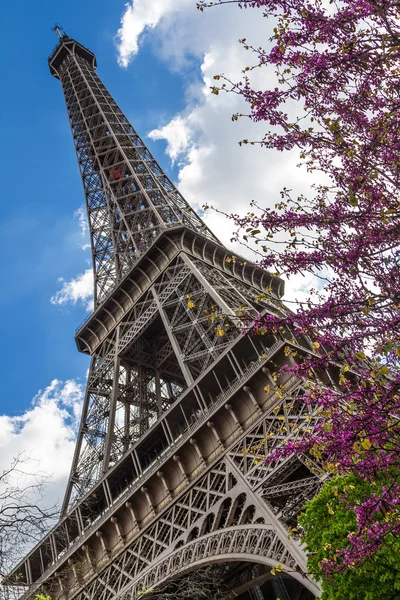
{"x":219,"y":401}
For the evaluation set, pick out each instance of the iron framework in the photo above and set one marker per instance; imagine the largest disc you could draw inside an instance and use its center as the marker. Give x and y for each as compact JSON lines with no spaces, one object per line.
{"x":181,"y":408}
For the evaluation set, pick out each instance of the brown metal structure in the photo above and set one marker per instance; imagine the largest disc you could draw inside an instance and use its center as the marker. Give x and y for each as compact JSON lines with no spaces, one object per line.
{"x":181,"y":408}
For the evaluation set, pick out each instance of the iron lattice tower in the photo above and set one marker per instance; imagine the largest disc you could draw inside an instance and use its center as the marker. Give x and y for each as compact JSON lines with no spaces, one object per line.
{"x":181,"y":408}
{"x":130,"y":203}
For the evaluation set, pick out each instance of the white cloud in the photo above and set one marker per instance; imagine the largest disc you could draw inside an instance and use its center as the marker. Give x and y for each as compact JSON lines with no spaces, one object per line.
{"x":80,"y":214}
{"x":215,"y":169}
{"x":178,"y":133}
{"x":137,"y":18}
{"x":202,"y":138}
{"x":76,"y":290}
{"x":45,"y":434}
{"x":84,"y":235}
{"x":80,"y":288}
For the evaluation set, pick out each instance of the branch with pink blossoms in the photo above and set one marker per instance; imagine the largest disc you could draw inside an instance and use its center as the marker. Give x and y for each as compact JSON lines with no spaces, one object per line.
{"x":339,"y":63}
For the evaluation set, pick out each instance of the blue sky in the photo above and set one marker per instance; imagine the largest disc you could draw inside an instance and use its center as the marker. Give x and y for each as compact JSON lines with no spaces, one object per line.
{"x":158,"y":59}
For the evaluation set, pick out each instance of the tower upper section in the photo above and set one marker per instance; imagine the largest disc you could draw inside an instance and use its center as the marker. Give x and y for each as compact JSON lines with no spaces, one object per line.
{"x":65,"y":49}
{"x":130,"y":200}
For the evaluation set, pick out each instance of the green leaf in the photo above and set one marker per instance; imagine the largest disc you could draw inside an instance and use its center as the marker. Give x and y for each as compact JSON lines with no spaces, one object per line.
{"x":353,"y":201}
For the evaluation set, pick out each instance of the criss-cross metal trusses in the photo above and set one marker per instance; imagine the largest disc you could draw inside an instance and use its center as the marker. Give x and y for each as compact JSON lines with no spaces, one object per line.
{"x":174,"y":332}
{"x":152,"y":341}
{"x":129,"y":198}
{"x":204,"y":494}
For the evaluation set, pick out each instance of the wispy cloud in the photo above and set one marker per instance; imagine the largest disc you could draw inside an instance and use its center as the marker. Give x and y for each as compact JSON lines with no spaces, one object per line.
{"x":140,"y":16}
{"x":179,"y":135}
{"x":79,"y":289}
{"x":83,"y":225}
{"x":80,"y":214}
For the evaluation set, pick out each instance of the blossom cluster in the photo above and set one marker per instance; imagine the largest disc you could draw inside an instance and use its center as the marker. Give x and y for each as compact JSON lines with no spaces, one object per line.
{"x":339,"y":63}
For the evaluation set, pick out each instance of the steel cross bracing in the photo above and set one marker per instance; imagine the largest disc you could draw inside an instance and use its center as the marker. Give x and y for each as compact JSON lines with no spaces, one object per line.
{"x":129,"y":198}
{"x":181,"y":408}
{"x":205,"y":498}
{"x":161,"y":346}
{"x":131,"y":204}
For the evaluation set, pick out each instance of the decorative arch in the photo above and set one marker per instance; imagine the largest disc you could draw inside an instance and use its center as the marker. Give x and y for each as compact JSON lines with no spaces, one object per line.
{"x":245,"y":543}
{"x":237,"y":509}
{"x":208,"y":524}
{"x":194,"y":533}
{"x":248,"y":515}
{"x":223,"y":513}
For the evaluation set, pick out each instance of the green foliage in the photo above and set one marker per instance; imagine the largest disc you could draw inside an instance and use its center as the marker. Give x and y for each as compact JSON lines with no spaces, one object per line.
{"x":328,"y":521}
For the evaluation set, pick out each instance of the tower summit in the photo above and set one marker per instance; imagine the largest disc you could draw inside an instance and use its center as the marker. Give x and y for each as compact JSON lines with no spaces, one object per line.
{"x":181,"y":408}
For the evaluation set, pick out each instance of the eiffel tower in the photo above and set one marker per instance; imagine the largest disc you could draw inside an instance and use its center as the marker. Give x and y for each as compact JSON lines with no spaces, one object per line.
{"x":181,"y":408}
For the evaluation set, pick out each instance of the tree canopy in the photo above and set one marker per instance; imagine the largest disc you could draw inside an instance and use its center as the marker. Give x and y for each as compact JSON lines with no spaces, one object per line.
{"x":328,"y":521}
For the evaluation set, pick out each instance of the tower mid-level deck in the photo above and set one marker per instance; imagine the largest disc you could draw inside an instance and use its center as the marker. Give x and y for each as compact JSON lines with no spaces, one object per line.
{"x":165,"y":248}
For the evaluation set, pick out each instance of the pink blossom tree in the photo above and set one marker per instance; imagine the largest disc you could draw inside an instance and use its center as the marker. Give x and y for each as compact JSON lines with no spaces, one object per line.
{"x":338,"y":62}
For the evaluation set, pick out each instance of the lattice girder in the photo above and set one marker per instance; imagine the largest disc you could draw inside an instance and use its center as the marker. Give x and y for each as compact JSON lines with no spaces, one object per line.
{"x":178,"y":540}
{"x":184,"y":307}
{"x":137,"y":198}
{"x":195,"y":486}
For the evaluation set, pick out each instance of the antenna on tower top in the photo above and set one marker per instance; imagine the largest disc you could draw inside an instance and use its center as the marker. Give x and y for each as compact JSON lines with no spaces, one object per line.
{"x":59,"y":31}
